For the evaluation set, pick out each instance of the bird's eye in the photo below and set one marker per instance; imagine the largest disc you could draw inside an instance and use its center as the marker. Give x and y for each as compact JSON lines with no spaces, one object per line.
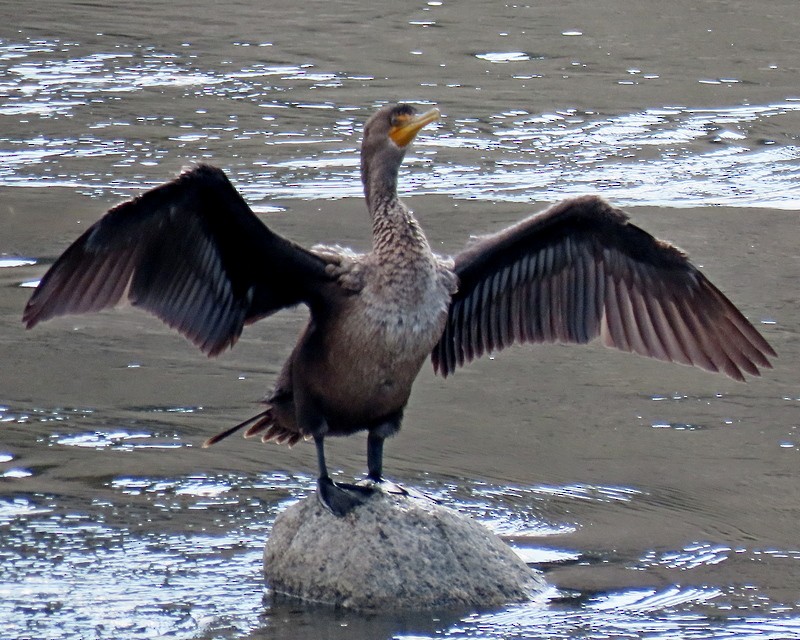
{"x":402,"y":115}
{"x":400,"y":119}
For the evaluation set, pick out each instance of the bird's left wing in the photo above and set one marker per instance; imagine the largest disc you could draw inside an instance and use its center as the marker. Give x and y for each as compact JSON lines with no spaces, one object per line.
{"x":580,"y":270}
{"x":192,"y":253}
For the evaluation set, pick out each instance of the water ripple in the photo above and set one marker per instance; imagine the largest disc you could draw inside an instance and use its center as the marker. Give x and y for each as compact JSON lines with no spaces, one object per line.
{"x":625,"y":614}
{"x":63,"y":560}
{"x":119,"y":440}
{"x":690,"y":557}
{"x":673,"y":155}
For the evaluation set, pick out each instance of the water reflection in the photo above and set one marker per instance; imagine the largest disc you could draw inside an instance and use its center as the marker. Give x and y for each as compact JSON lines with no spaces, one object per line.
{"x":123,"y":559}
{"x":691,"y":556}
{"x":117,"y":440}
{"x":8,"y":262}
{"x":683,"y":156}
{"x":625,"y":615}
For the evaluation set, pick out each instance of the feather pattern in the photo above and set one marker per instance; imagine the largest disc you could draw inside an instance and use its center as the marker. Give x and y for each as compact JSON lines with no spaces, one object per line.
{"x":579,"y":271}
{"x":192,"y":253}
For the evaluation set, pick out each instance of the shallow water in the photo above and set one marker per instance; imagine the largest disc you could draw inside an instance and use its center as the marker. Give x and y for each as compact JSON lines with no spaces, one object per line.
{"x":660,"y":502}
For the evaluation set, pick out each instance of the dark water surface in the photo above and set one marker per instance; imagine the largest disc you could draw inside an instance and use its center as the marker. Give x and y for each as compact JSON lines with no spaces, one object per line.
{"x":661,"y":502}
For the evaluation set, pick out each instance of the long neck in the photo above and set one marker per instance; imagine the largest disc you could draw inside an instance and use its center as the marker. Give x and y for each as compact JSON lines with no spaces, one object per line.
{"x":379,"y":177}
{"x":396,"y":234}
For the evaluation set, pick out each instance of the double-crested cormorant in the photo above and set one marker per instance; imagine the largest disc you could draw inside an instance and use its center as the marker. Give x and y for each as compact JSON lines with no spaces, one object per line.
{"x":193,"y":253}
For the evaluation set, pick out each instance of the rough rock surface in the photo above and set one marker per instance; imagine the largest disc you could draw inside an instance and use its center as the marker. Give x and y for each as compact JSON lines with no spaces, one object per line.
{"x":393,"y":552}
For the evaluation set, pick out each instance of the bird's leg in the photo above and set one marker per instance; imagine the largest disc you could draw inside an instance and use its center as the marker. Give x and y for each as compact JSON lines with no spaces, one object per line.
{"x":375,"y":442}
{"x":339,"y":499}
{"x":319,"y":442}
{"x":375,"y":457}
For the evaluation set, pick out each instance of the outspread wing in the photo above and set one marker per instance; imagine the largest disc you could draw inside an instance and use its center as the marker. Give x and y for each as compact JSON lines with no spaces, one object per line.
{"x":580,"y":270}
{"x":191,"y":252}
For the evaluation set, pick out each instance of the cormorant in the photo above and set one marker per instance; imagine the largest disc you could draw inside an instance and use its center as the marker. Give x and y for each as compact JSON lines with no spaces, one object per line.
{"x":193,"y":253}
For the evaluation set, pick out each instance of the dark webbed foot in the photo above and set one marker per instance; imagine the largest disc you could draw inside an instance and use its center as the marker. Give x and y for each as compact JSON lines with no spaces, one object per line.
{"x":387,"y":486}
{"x":339,"y":498}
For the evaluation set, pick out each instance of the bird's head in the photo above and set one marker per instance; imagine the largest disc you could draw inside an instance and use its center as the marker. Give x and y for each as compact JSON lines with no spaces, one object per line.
{"x":387,"y":135}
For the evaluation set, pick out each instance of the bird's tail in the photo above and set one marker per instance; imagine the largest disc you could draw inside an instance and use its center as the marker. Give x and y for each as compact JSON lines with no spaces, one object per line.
{"x":263,"y":423}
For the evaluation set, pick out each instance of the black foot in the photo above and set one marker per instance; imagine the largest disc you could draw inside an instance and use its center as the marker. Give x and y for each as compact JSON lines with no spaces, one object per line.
{"x":341,"y":499}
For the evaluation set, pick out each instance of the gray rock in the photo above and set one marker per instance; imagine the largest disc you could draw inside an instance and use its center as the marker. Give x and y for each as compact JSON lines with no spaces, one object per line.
{"x":393,"y":552}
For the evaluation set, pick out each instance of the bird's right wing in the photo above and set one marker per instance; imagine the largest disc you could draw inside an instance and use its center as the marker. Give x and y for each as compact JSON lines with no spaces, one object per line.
{"x":579,"y":271}
{"x":191,"y":252}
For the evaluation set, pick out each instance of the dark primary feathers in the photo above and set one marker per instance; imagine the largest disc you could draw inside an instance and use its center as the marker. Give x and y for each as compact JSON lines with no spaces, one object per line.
{"x":190,"y":251}
{"x":580,"y":270}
